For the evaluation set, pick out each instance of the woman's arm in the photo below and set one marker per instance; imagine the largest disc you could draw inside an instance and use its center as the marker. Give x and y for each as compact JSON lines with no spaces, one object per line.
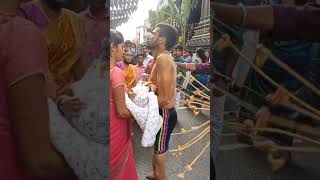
{"x":187,"y":66}
{"x":196,"y":68}
{"x":29,"y":117}
{"x":120,"y":104}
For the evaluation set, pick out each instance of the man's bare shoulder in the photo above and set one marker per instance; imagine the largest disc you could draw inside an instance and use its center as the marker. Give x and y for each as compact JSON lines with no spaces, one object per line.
{"x":164,"y":59}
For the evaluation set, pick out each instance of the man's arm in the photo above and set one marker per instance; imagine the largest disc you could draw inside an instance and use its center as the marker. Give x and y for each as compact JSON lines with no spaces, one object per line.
{"x":303,"y":24}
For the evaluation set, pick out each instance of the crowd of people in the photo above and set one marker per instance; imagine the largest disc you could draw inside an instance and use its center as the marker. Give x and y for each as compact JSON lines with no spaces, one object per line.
{"x":45,"y":48}
{"x":158,"y":63}
{"x":47,"y":45}
{"x":292,"y":39}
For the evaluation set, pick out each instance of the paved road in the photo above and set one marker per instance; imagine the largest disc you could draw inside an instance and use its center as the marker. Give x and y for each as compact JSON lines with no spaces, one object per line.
{"x":238,"y":161}
{"x":201,"y":169}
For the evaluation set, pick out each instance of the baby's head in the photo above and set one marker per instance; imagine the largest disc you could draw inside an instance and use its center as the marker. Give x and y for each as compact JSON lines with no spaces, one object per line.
{"x":141,"y":91}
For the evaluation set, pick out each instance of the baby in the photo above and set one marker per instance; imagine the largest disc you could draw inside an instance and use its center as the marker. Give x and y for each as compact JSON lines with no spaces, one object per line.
{"x":145,"y":109}
{"x":84,"y":141}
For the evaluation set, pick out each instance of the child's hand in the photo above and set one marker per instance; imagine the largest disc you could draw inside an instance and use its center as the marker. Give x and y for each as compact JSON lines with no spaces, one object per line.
{"x":153,"y":88}
{"x":132,"y":95}
{"x":72,"y":106}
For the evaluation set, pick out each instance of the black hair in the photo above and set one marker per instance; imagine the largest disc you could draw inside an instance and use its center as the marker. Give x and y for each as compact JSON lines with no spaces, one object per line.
{"x":126,"y":50}
{"x":127,"y":42}
{"x":56,"y":5}
{"x":170,"y":33}
{"x":139,"y":54}
{"x":202,"y":55}
{"x":180,"y":47}
{"x":116,"y":37}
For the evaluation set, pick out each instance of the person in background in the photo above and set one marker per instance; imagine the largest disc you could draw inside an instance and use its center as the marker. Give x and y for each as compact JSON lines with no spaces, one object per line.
{"x":64,"y":32}
{"x":134,"y":49}
{"x":146,"y":55}
{"x":187,"y":56}
{"x":127,"y":44}
{"x":26,"y":150}
{"x":149,"y":66}
{"x":202,"y":59}
{"x":65,"y":35}
{"x":130,"y":71}
{"x":96,"y":28}
{"x":178,"y":54}
{"x":140,"y":68}
{"x":201,"y":55}
{"x":122,"y":164}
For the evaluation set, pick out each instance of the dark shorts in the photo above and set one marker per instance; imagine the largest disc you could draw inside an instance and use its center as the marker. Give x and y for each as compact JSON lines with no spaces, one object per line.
{"x":161,"y":144}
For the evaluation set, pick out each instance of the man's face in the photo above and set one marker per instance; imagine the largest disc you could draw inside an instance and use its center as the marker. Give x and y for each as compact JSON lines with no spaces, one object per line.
{"x":154,"y":39}
{"x":177,"y":52}
{"x":128,"y":57}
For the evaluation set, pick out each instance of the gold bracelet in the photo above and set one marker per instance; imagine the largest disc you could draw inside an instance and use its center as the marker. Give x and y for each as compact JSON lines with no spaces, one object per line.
{"x":186,"y":66}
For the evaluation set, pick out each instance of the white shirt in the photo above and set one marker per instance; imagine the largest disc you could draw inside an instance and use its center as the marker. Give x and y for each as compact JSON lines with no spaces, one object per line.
{"x":147,"y":60}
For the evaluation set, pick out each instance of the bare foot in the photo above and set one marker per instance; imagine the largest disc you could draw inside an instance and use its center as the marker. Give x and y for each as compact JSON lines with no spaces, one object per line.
{"x":151,"y":176}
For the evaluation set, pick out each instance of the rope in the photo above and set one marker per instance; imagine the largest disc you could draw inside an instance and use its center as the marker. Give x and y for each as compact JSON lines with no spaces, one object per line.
{"x":272,"y":130}
{"x":183,"y":131}
{"x":188,"y":167}
{"x":259,"y":71}
{"x":192,"y":141}
{"x":274,"y":146}
{"x":267,"y":77}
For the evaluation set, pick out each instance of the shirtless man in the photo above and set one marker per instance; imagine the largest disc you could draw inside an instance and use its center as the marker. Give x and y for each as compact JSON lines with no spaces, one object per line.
{"x":163,"y":78}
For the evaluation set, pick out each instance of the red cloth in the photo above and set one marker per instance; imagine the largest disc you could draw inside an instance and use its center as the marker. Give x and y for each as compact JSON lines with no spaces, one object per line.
{"x":122,"y":165}
{"x":18,"y":59}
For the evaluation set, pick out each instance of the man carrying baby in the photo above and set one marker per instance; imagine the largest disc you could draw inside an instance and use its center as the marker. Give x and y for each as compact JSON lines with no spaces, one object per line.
{"x":163,"y":80}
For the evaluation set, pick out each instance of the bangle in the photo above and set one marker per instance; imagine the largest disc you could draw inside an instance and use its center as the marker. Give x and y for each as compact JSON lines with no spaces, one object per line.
{"x":187,"y":66}
{"x":244,"y":14}
{"x":60,"y":109}
{"x":59,"y":106}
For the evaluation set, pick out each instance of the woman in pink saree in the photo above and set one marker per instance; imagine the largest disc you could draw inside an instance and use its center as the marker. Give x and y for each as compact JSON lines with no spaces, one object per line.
{"x":26,"y":151}
{"x":122,"y":164}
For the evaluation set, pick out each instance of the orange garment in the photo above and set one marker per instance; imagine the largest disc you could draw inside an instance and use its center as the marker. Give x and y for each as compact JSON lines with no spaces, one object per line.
{"x":130,"y":74}
{"x":65,"y":39}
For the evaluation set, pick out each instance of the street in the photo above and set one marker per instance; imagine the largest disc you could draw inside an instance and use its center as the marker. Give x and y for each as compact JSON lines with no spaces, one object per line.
{"x":238,"y":161}
{"x":200,"y":170}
